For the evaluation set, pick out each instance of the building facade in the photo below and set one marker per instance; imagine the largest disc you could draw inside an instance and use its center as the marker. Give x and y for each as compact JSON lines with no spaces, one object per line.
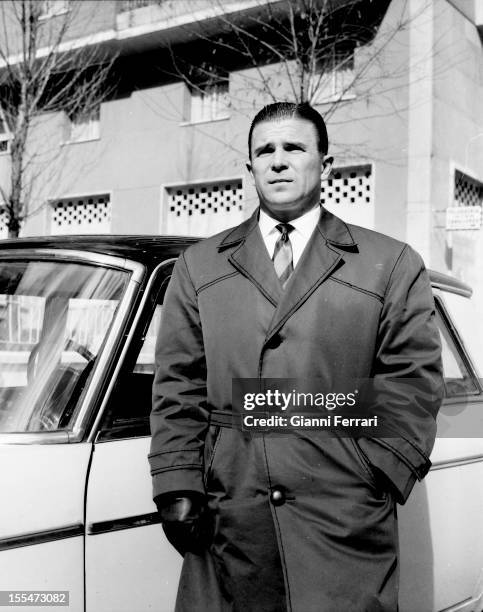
{"x":166,"y":151}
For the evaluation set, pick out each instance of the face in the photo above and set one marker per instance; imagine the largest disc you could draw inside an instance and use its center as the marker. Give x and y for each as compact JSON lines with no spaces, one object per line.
{"x":287,"y":167}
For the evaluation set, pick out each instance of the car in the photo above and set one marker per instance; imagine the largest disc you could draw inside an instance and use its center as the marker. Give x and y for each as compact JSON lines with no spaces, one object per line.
{"x":78,"y":323}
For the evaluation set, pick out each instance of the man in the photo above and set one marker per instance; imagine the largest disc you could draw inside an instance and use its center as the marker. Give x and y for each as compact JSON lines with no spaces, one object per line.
{"x":294,"y":522}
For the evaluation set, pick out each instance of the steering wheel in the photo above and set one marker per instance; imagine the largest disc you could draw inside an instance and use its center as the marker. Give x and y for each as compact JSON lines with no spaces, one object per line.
{"x":50,"y":417}
{"x":81,"y":349}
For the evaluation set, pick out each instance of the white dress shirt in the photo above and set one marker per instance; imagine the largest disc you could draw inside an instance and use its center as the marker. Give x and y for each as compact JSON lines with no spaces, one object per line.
{"x":304,"y":227}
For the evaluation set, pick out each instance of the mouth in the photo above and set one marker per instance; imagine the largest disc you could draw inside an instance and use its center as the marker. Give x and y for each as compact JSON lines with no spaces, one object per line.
{"x":275,"y":181}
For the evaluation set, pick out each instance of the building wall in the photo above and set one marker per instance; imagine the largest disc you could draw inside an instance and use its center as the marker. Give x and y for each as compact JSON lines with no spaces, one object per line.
{"x":415,"y":117}
{"x":146,"y":143}
{"x":457,"y":138}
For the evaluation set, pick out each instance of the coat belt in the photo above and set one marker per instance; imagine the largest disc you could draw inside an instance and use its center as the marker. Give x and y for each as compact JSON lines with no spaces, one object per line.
{"x":225,"y":418}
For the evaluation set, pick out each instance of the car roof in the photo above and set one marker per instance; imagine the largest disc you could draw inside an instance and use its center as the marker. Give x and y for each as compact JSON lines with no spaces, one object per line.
{"x":150,"y":249}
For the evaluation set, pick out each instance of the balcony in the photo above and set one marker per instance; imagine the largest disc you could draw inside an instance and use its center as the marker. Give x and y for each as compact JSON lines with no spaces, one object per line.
{"x":131,"y":5}
{"x":143,"y":17}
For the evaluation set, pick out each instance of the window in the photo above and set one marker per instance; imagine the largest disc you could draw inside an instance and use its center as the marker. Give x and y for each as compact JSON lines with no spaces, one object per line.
{"x":467,"y":191}
{"x":5,"y":135}
{"x":3,"y":223}
{"x":85,"y":125}
{"x":465,"y":313}
{"x":204,"y":209}
{"x":350,"y":185}
{"x":333,"y":78}
{"x":51,"y":8}
{"x":466,"y":211}
{"x":209,"y":101}
{"x":129,"y":407}
{"x":458,"y":379}
{"x":54,"y":319}
{"x":87,"y":215}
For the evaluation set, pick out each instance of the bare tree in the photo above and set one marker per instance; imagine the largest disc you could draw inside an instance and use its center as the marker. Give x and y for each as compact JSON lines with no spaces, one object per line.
{"x":41,"y":72}
{"x":316,"y":51}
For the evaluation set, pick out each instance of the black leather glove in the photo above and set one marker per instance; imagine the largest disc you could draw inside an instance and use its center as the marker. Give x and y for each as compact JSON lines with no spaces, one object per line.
{"x":184,"y":519}
{"x":178,"y":508}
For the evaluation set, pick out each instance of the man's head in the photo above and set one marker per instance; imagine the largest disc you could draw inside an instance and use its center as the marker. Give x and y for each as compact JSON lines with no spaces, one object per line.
{"x":289,"y":110}
{"x":288,"y":158}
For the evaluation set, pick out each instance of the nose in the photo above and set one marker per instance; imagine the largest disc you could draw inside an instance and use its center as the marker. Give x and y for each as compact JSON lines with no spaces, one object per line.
{"x":279,"y":161}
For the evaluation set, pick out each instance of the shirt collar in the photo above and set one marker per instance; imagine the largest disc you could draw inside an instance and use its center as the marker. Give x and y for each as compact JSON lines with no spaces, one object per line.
{"x":304,"y":225}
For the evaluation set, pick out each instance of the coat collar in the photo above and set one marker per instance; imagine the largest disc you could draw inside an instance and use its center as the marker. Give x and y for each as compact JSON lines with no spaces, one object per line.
{"x":333,"y":230}
{"x":318,"y":261}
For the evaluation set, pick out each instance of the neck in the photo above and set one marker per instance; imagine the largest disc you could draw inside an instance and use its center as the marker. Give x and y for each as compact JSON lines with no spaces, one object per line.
{"x":285,"y":216}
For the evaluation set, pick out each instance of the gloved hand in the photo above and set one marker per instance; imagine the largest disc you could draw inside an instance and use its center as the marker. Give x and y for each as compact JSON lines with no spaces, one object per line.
{"x":178,"y":509}
{"x":182,"y":517}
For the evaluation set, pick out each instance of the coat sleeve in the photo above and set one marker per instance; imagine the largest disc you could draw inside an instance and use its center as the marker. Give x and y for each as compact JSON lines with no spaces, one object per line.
{"x":407,"y":385}
{"x":179,"y":417}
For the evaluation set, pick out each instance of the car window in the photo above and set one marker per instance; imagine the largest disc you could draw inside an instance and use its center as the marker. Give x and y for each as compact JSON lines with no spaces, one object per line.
{"x":467,"y":317}
{"x":145,"y":359}
{"x":458,"y":378}
{"x":54,"y":318}
{"x":129,"y":405}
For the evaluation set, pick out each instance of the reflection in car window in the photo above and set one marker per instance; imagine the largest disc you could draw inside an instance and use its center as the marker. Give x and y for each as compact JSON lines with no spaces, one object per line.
{"x":145,"y":360}
{"x":457,"y":377}
{"x":129,"y":406}
{"x":467,"y":316}
{"x":54,"y":318}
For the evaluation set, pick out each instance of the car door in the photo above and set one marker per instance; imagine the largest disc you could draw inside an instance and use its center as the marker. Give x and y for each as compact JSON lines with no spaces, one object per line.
{"x":61,"y":314}
{"x":441,"y":526}
{"x":129,"y":564}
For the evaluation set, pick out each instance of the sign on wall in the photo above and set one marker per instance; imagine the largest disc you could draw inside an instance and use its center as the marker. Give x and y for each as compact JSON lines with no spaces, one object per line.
{"x":463,"y":217}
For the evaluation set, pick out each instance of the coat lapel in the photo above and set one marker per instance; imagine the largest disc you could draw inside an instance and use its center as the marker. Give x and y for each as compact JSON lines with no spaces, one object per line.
{"x":251,"y":258}
{"x":318,"y":261}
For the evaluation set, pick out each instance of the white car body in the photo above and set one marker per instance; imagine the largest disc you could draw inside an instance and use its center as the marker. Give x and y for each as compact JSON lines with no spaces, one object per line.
{"x":76,"y":512}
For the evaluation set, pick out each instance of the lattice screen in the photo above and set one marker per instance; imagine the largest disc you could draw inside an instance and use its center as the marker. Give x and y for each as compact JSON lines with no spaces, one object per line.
{"x":348,"y":186}
{"x":89,"y":215}
{"x":3,"y":224}
{"x":203,"y":210}
{"x":349,"y":194}
{"x":467,"y":191}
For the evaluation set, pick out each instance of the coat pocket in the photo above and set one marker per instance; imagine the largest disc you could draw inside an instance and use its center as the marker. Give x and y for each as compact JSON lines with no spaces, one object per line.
{"x":366,"y":468}
{"x":212,"y":443}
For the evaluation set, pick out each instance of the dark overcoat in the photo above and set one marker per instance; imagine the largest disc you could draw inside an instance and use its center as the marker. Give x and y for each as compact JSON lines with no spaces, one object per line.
{"x":299,"y":522}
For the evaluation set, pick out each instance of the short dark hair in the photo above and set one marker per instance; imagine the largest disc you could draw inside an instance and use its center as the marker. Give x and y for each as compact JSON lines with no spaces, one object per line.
{"x":289,"y":110}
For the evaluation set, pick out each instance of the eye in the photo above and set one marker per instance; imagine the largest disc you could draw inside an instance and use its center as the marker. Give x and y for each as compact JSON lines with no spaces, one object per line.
{"x":266,"y":150}
{"x":293,"y":146}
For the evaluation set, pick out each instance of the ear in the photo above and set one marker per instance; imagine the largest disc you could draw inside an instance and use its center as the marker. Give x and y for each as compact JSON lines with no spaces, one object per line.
{"x":327,"y":162}
{"x":249,"y":169}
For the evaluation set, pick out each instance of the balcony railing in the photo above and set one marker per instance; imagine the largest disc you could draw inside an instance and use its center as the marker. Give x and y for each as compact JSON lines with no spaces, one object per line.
{"x":131,"y":5}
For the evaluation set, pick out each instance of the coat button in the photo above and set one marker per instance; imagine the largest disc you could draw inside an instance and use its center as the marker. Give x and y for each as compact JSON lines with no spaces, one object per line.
{"x":277,"y":497}
{"x":274,"y":342}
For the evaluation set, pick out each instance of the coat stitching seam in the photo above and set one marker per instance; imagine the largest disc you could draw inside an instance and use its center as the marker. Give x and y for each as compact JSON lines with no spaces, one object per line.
{"x":401,"y":457}
{"x":378,"y":297}
{"x":188,"y":271}
{"x":261,"y":288}
{"x":295,"y":307}
{"x":216,"y":280}
{"x":176,"y":450}
{"x":393,"y":269}
{"x":177,"y":467}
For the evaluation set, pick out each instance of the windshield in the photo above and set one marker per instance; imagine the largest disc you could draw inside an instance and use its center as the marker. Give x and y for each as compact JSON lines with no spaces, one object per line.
{"x":54,"y":318}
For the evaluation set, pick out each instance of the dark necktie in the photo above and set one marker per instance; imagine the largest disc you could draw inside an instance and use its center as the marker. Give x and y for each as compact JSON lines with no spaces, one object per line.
{"x":283,"y":256}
